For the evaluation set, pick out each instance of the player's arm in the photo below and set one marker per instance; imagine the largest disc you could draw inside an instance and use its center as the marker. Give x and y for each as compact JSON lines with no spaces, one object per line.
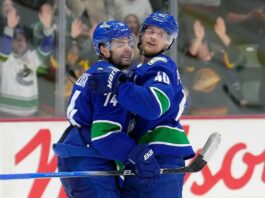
{"x":6,"y":44}
{"x":6,"y":39}
{"x":47,"y":43}
{"x":108,"y":135}
{"x":154,"y":97}
{"x":151,"y":100}
{"x":110,"y":140}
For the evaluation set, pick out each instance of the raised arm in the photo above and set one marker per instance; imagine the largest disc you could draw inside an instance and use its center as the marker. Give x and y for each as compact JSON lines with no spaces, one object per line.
{"x":6,"y":39}
{"x":46,"y":16}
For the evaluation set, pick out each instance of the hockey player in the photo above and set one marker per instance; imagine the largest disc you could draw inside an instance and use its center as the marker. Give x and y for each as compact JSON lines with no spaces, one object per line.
{"x":96,"y":137}
{"x":154,"y":94}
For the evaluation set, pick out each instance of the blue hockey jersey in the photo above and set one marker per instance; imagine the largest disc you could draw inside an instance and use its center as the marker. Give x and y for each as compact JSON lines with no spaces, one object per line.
{"x":104,"y":120}
{"x":156,"y":98}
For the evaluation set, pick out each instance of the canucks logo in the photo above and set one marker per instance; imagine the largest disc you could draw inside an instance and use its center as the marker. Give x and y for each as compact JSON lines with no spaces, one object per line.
{"x":105,"y":25}
{"x":25,"y":76}
{"x":163,"y":15}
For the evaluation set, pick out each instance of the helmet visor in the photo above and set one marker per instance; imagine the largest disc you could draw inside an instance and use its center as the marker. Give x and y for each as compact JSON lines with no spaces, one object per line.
{"x":158,"y":33}
{"x":122,"y":42}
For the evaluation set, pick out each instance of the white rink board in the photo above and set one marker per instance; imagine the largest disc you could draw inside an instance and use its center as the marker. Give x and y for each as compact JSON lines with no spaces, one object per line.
{"x":14,"y":136}
{"x":237,"y":170}
{"x":230,"y":176}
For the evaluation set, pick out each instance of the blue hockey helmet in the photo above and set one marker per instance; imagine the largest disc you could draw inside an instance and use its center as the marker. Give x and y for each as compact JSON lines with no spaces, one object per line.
{"x":109,"y":30}
{"x":164,"y":21}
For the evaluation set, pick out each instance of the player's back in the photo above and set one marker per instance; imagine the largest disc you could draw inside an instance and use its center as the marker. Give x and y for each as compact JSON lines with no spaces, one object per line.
{"x":85,"y":106}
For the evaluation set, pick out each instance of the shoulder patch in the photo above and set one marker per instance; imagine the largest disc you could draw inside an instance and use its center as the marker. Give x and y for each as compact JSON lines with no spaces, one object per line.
{"x":156,"y":59}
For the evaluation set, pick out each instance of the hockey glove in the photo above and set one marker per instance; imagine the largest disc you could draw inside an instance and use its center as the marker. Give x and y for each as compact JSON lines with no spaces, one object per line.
{"x":105,"y":80}
{"x":142,"y":161}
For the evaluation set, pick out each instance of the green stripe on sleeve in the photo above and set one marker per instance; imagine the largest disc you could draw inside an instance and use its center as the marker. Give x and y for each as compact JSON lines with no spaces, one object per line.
{"x":162,"y":99}
{"x":165,"y":135}
{"x":3,"y":57}
{"x":103,"y":128}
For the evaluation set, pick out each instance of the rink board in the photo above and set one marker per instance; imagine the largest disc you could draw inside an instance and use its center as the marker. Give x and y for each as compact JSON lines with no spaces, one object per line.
{"x":236,"y":170}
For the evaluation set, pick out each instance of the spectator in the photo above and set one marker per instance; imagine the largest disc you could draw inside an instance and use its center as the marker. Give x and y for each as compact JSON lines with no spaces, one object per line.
{"x":19,"y":92}
{"x":133,"y":22}
{"x":81,"y":34}
{"x":141,"y":8}
{"x":75,"y":67}
{"x":76,"y":64}
{"x":94,"y":9}
{"x":246,"y":25}
{"x":211,"y":63}
{"x":160,"y":5}
{"x":245,"y":18}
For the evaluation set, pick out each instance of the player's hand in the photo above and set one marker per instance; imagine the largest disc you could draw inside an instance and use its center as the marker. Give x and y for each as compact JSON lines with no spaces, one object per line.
{"x":142,"y":161}
{"x":105,"y":80}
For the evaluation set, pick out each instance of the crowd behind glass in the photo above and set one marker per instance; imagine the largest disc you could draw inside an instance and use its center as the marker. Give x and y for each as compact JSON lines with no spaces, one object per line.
{"x":221,"y":52}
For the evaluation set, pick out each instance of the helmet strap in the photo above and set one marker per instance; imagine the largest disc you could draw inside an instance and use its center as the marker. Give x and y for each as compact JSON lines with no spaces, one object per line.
{"x":139,"y":44}
{"x":170,"y":44}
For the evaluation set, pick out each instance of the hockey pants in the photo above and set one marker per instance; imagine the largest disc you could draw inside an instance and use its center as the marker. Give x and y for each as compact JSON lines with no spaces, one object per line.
{"x":74,"y":155}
